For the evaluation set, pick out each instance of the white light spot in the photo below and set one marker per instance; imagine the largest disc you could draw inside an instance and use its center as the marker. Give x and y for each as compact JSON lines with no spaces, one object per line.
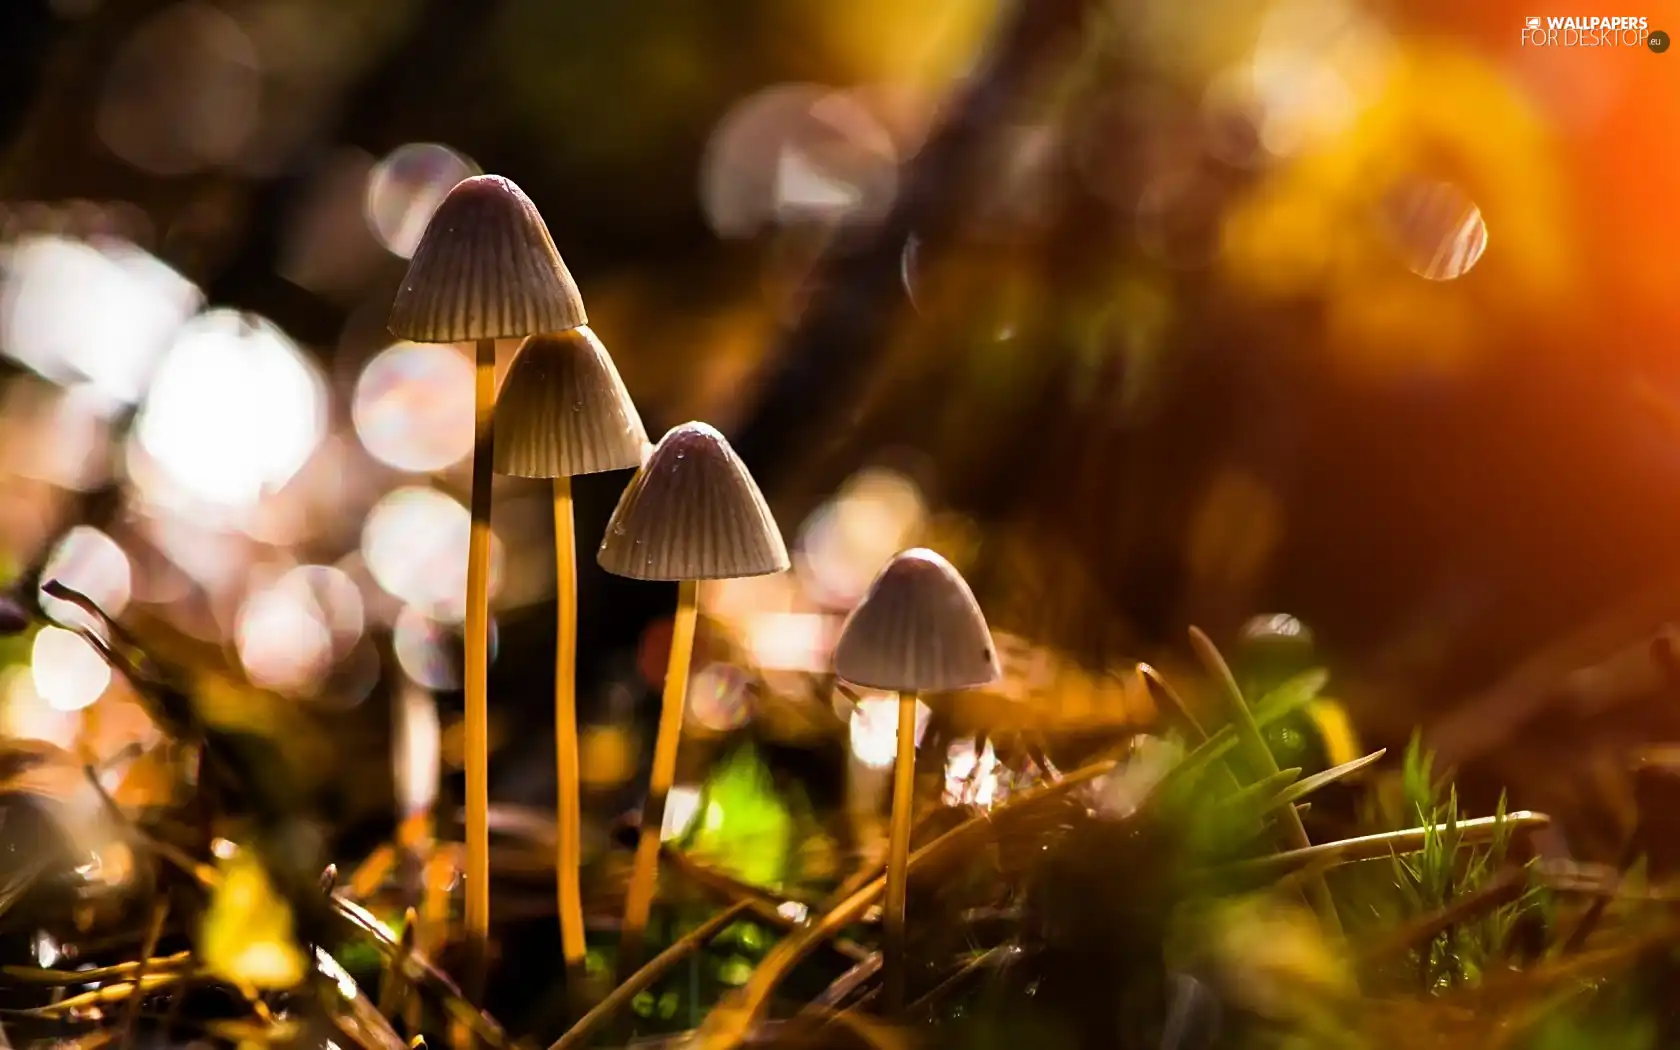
{"x":796,"y":152}
{"x":405,"y":188}
{"x":416,"y":744}
{"x":415,"y":544}
{"x":793,"y":911}
{"x":235,"y":412}
{"x":90,"y":562}
{"x":46,"y":948}
{"x":291,"y":633}
{"x":419,"y":644}
{"x":413,"y":407}
{"x":94,"y":316}
{"x":68,"y":674}
{"x":874,"y":727}
{"x":682,"y":805}
{"x":971,"y":779}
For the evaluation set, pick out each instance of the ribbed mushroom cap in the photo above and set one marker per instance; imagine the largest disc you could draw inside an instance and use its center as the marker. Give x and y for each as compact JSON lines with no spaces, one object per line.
{"x":918,"y":629}
{"x":486,"y":268}
{"x":692,"y":512}
{"x":563,"y":410}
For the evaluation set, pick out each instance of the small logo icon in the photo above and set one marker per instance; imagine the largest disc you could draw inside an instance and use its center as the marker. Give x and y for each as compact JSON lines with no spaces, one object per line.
{"x":1657,"y":41}
{"x":1532,"y":22}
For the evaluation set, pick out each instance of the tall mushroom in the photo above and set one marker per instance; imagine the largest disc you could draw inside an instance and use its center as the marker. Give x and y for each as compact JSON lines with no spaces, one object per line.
{"x":563,"y":411}
{"x":691,"y":513}
{"x":485,"y":269}
{"x":918,"y":629}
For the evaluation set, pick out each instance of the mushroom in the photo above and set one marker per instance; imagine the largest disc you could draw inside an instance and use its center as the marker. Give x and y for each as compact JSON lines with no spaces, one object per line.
{"x":918,"y":629}
{"x":691,"y":513}
{"x":485,"y":269}
{"x":563,"y":411}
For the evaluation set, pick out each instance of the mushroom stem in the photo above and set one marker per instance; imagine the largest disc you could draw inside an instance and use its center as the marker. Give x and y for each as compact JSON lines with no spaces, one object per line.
{"x":567,"y":817}
{"x":639,"y":901}
{"x":898,"y":853}
{"x":477,"y":758}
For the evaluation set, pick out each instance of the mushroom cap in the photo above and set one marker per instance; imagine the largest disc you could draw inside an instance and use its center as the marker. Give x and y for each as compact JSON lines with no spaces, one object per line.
{"x":692,"y":512}
{"x":918,"y":629}
{"x":486,"y":268}
{"x":563,"y":410}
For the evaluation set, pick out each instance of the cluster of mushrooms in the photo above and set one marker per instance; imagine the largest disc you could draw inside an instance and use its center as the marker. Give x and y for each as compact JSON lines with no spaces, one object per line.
{"x":487,"y":269}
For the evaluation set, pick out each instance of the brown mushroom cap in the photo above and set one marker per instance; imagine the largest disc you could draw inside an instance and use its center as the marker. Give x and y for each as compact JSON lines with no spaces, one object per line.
{"x":918,"y":629}
{"x":486,"y":268}
{"x":692,"y":512}
{"x":563,"y":410}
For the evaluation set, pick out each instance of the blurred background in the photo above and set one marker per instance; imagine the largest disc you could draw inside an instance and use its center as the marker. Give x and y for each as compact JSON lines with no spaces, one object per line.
{"x":1145,"y":314}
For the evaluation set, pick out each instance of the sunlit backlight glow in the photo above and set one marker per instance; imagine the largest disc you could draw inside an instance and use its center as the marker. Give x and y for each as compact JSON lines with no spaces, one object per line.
{"x":417,"y":744}
{"x":1436,"y":228}
{"x":406,"y":186}
{"x":793,"y":911}
{"x":59,"y":436}
{"x":90,"y":562}
{"x":844,"y":544}
{"x":235,"y":411}
{"x":415,"y":545}
{"x":791,"y":641}
{"x":718,"y":698}
{"x":1302,"y":102}
{"x":796,"y":152}
{"x":413,"y":407}
{"x":46,"y":948}
{"x":874,"y":726}
{"x":335,"y":972}
{"x":421,"y":646}
{"x":682,"y":805}
{"x":68,"y":674}
{"x":971,"y":779}
{"x":25,"y":715}
{"x":291,"y":633}
{"x":98,"y":316}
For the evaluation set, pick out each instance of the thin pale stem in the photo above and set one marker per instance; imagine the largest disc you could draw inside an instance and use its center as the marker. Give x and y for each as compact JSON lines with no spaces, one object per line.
{"x":898,"y":852}
{"x":643,"y":873}
{"x":568,"y":836}
{"x":477,"y":758}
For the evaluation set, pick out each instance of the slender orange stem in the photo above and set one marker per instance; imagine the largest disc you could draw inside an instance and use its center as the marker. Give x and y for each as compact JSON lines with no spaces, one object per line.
{"x":477,"y":758}
{"x":898,"y":853}
{"x":568,"y":817}
{"x":645,"y":869}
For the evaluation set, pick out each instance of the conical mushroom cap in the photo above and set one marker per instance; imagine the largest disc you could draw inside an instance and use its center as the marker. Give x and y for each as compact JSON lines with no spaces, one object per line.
{"x":692,"y":512}
{"x":486,"y":268}
{"x":918,"y":629}
{"x":563,"y":410}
